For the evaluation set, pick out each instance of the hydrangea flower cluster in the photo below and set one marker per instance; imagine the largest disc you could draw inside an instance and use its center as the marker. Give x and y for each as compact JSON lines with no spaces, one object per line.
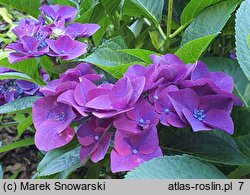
{"x":54,"y":34}
{"x":12,"y":89}
{"x":167,"y":91}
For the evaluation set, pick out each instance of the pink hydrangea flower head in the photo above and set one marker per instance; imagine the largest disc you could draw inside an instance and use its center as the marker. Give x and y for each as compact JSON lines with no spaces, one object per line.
{"x":203,"y":113}
{"x":52,"y":122}
{"x":94,"y":137}
{"x":132,"y":149}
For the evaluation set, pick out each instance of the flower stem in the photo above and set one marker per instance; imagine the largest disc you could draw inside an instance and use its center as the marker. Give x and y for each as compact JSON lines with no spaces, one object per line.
{"x":161,"y":32}
{"x":170,"y":13}
{"x":181,"y":28}
{"x":169,"y":23}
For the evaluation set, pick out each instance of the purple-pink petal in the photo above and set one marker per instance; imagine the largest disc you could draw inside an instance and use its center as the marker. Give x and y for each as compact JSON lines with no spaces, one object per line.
{"x":50,"y":139}
{"x":185,"y":98}
{"x":196,"y":124}
{"x":81,"y":30}
{"x":48,"y":115}
{"x":219,"y":119}
{"x":68,"y":98}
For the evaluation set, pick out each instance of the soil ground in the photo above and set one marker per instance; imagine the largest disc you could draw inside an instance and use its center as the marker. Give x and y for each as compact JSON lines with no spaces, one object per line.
{"x":22,"y":161}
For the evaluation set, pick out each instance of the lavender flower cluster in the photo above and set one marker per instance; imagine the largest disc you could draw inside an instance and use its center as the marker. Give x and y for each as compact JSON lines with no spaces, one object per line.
{"x":12,"y":89}
{"x":167,"y":91}
{"x":54,"y":34}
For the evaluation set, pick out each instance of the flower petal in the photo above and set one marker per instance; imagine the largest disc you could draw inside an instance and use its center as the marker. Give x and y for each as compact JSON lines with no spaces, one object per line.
{"x":194,"y":122}
{"x":49,"y":139}
{"x":184,"y":98}
{"x":103,"y":145}
{"x":219,"y":119}
{"x":123,"y":163}
{"x":68,"y":98}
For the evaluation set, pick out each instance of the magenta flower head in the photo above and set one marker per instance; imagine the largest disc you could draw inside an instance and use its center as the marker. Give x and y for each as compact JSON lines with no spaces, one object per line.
{"x":94,"y":137}
{"x":12,"y":89}
{"x":209,"y":83}
{"x":166,"y":59}
{"x":27,"y":87}
{"x":69,"y":80}
{"x":27,"y":27}
{"x":66,"y":48}
{"x":164,"y":71}
{"x":164,"y":107}
{"x":203,"y":113}
{"x":132,"y":149}
{"x":2,"y":99}
{"x":142,"y":117}
{"x":169,"y":68}
{"x":52,"y":122}
{"x":81,"y":30}
{"x":28,"y":47}
{"x":82,"y":70}
{"x":137,"y":70}
{"x":56,"y":87}
{"x":199,"y":72}
{"x":58,"y":12}
{"x":9,"y":91}
{"x":78,"y":97}
{"x":119,"y":99}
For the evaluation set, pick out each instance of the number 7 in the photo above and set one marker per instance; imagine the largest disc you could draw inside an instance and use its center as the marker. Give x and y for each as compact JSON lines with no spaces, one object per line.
{"x":241,"y":184}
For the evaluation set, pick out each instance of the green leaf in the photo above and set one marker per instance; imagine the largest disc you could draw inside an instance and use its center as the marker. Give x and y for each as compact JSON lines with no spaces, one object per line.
{"x":107,"y":54}
{"x":63,"y":2}
{"x":244,"y":144}
{"x":16,"y":75}
{"x":231,"y":67}
{"x":89,"y":13}
{"x":119,"y":70}
{"x":156,"y":39}
{"x":207,"y":146}
{"x":1,"y":172}
{"x":110,"y":6}
{"x":94,"y":170}
{"x":28,"y":67}
{"x":226,"y":137}
{"x":152,"y":10}
{"x":141,"y":54}
{"x":21,"y":127}
{"x":54,"y":154}
{"x":136,"y":27}
{"x":93,"y":15}
{"x":5,"y":15}
{"x":60,"y":163}
{"x":20,"y":117}
{"x":46,"y":63}
{"x":4,"y":54}
{"x":191,"y":51}
{"x":63,"y":67}
{"x":27,"y":6}
{"x":248,"y":40}
{"x":17,"y":144}
{"x":241,"y":121}
{"x":175,"y":167}
{"x":66,"y":173}
{"x":108,"y":58}
{"x":193,"y":8}
{"x":239,"y":172}
{"x":104,"y":23}
{"x":242,"y":31}
{"x":85,"y":5}
{"x":210,"y":21}
{"x":15,"y":174}
{"x":18,"y":105}
{"x":10,"y":124}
